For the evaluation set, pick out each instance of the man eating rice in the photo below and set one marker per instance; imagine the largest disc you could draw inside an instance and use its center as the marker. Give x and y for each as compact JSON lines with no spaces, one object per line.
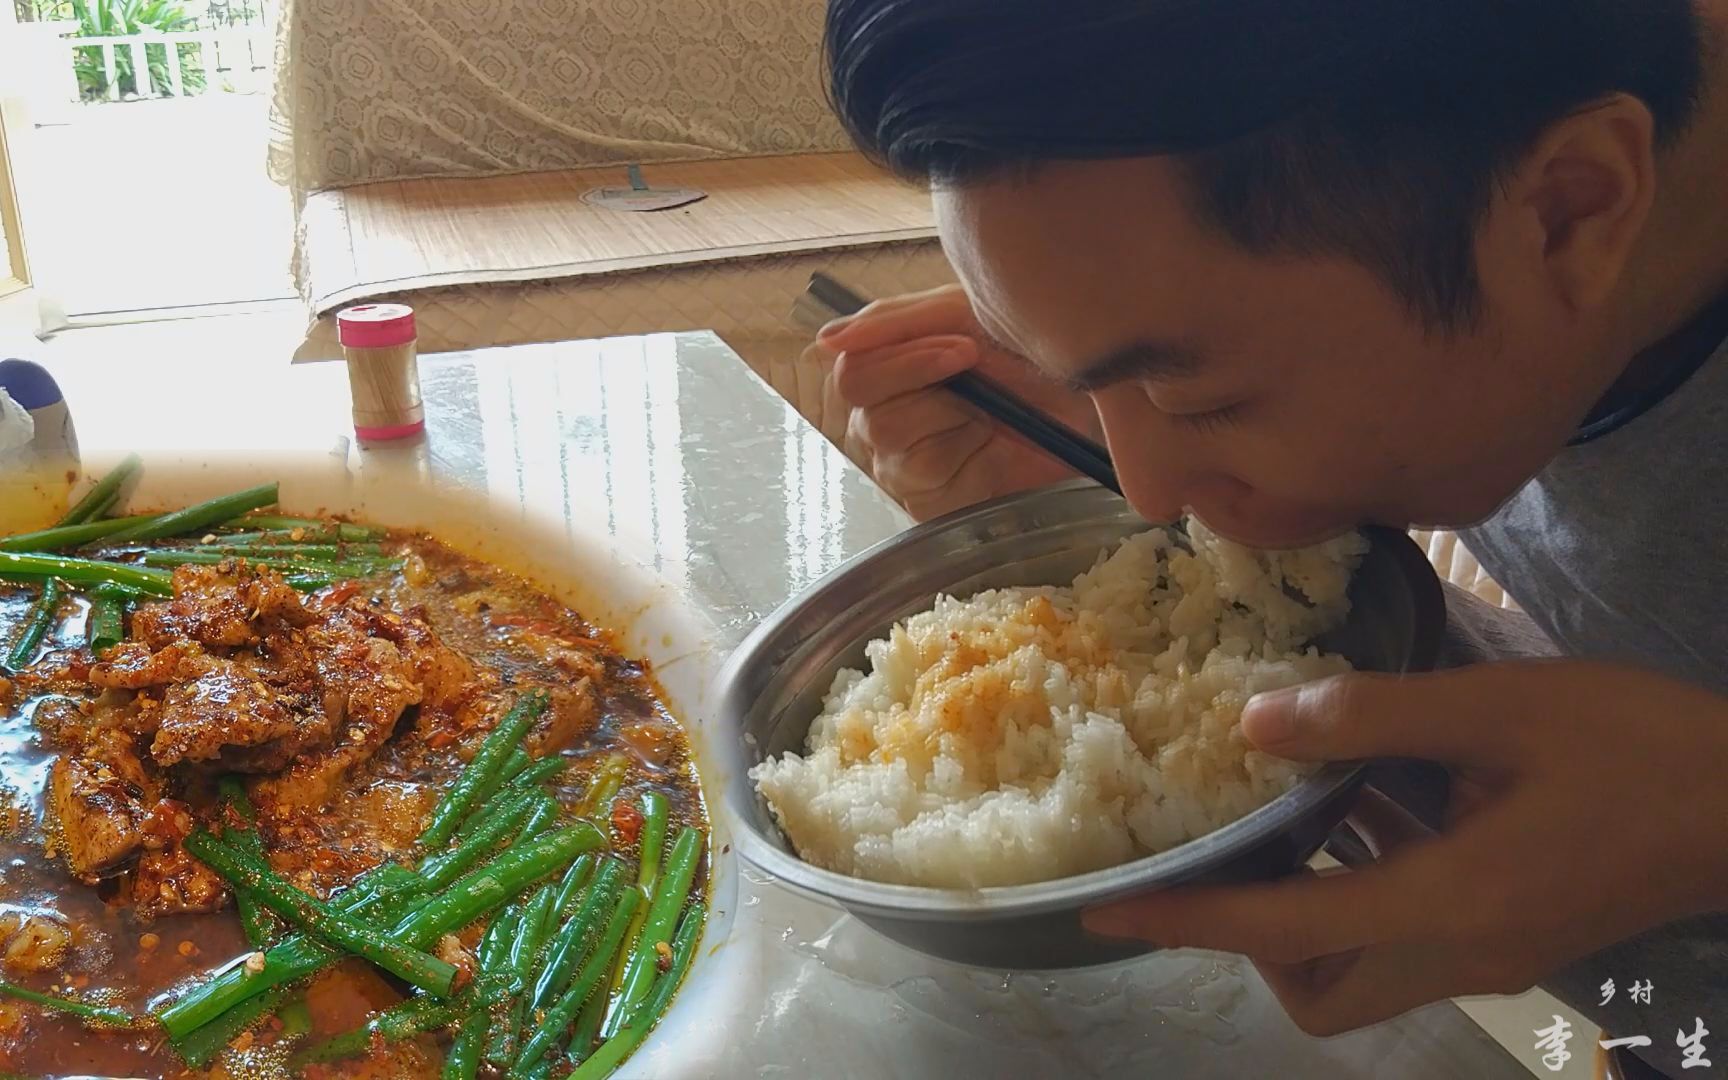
{"x":1308,"y":265}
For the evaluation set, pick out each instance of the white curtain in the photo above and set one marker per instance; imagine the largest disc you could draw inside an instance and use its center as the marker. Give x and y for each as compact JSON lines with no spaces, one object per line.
{"x":383,"y":89}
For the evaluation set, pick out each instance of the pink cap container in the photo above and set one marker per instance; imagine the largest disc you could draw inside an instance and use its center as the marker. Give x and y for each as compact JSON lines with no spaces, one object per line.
{"x":378,"y":342}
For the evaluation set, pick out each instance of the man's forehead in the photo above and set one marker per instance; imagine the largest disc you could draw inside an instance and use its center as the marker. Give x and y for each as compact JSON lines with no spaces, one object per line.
{"x":1058,"y":275}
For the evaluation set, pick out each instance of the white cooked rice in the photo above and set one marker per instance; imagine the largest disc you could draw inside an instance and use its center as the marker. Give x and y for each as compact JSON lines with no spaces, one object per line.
{"x":1032,"y":733}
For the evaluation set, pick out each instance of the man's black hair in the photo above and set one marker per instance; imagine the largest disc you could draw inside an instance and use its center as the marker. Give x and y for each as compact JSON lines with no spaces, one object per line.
{"x":1376,"y":129}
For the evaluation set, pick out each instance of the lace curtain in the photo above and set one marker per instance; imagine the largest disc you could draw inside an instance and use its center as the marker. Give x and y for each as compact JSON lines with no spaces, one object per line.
{"x":384,"y":89}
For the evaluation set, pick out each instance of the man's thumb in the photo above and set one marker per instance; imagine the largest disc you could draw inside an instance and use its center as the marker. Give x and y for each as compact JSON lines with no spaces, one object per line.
{"x":1359,"y":716}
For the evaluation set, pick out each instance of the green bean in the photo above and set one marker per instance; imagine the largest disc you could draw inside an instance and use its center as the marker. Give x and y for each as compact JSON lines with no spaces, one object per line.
{"x":603,"y":785}
{"x":321,"y":552}
{"x":544,"y":906}
{"x":512,"y":767}
{"x":586,"y":1029}
{"x":422,"y":1012}
{"x":374,"y":885}
{"x":577,"y":935}
{"x":101,"y":497}
{"x":106,"y":621}
{"x":37,"y":621}
{"x":170,"y":558}
{"x":198,"y":516}
{"x":199,"y":1048}
{"x":508,"y":924}
{"x":502,"y":933}
{"x":593,"y":970}
{"x":480,"y":890}
{"x":88,"y":572}
{"x":103,"y":1016}
{"x":421,"y":923}
{"x":463,"y":1061}
{"x":119,"y":592}
{"x":498,"y":1033}
{"x":437,"y":871}
{"x":574,"y":878}
{"x":324,"y":534}
{"x":233,"y":794}
{"x":514,"y":764}
{"x":351,"y":568}
{"x":483,"y":810}
{"x":258,"y":921}
{"x":494,"y":949}
{"x":100,"y":510}
{"x":497,"y":1023}
{"x":285,"y":555}
{"x":277,"y":523}
{"x":542,"y":1071}
{"x":538,"y":770}
{"x":296,"y":1019}
{"x":511,"y":770}
{"x":68,"y":536}
{"x":494,"y":751}
{"x":669,"y":897}
{"x":531,"y":933}
{"x":245,"y":871}
{"x":544,"y":814}
{"x":642,"y":1019}
{"x":650,"y":844}
{"x":199,"y":1043}
{"x":312,"y":582}
{"x":502,"y":936}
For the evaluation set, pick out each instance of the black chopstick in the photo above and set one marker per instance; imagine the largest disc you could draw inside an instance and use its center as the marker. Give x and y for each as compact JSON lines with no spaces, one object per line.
{"x":1048,"y":434}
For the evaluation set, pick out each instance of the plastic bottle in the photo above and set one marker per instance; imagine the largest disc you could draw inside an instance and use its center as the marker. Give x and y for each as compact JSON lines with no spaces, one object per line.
{"x":38,"y":448}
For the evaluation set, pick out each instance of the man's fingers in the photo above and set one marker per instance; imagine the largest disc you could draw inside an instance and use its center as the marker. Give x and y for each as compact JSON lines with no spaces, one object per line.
{"x":899,"y":319}
{"x":1284,"y":922}
{"x":1341,"y":993}
{"x":867,"y":379}
{"x":1353,"y":717}
{"x":933,"y":463}
{"x":898,"y":424}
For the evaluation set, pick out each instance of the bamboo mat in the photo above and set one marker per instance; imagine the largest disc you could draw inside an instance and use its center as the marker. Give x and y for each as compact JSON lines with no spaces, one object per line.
{"x":425,"y":233}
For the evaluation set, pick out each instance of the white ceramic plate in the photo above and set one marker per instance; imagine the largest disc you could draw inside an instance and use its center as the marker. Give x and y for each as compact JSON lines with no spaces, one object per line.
{"x":589,"y":571}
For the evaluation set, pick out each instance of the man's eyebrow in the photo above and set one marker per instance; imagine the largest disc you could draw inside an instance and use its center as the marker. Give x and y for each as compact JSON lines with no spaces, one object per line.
{"x":1154,"y":360}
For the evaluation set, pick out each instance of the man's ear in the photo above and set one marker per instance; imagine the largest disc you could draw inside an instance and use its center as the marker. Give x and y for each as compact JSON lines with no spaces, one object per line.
{"x":1583,"y":193}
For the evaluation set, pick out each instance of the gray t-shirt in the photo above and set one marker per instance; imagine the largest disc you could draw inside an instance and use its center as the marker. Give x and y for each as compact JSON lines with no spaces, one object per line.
{"x":1619,"y":548}
{"x":1618,"y":551}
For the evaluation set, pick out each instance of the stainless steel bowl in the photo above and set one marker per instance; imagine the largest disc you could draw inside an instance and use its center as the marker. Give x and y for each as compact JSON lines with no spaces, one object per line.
{"x":772,"y":687}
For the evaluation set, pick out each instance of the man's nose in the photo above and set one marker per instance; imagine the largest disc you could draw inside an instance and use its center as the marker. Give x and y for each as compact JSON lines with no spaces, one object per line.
{"x":1164,"y":474}
{"x":1162,"y":500}
{"x":1156,"y":474}
{"x":1156,"y":502}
